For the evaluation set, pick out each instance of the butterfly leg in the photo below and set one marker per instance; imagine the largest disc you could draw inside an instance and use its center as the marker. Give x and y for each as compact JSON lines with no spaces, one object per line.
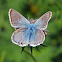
{"x":31,"y":49}
{"x":37,"y":49}
{"x":43,"y":45}
{"x":22,"y":49}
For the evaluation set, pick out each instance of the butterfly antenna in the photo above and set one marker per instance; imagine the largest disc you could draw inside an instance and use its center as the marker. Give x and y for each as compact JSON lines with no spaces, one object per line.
{"x":43,"y":45}
{"x":22,"y":49}
{"x":31,"y":49}
{"x":37,"y":49}
{"x":28,"y":17}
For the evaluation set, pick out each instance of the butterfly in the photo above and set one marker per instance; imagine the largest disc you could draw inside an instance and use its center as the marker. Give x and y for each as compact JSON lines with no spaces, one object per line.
{"x":28,"y":33}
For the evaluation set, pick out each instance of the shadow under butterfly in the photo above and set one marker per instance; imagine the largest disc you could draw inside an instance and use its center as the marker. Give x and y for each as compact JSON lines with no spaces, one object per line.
{"x":28,"y":32}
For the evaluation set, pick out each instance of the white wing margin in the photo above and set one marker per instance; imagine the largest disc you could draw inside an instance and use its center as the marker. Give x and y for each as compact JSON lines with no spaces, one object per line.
{"x":17,"y":20}
{"x":42,"y":22}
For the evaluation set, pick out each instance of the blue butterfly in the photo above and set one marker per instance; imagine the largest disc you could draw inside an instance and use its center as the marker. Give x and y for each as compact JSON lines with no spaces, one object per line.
{"x":28,"y":33}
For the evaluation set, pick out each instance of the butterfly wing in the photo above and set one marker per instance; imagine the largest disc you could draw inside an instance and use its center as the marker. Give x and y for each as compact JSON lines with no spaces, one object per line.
{"x":37,"y":38}
{"x":42,"y":22}
{"x":20,"y":38}
{"x":17,"y":20}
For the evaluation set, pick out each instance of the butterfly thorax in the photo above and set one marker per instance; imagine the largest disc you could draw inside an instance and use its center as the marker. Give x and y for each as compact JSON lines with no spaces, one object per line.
{"x":31,"y":27}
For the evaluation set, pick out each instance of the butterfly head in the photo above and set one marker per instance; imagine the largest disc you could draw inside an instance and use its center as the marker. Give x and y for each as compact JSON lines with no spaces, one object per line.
{"x":32,"y":21}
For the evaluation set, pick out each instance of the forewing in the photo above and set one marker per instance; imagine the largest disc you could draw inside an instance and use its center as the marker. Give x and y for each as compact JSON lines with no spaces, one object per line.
{"x":42,"y":22}
{"x":38,"y":39}
{"x":17,"y":20}
{"x":18,"y":37}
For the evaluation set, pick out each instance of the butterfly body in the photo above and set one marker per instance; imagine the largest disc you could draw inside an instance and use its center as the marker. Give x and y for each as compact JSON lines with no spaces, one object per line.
{"x":29,"y":33}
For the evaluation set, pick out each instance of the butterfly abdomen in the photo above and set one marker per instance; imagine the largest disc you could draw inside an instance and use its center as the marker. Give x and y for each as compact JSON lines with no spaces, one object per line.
{"x":30,"y":36}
